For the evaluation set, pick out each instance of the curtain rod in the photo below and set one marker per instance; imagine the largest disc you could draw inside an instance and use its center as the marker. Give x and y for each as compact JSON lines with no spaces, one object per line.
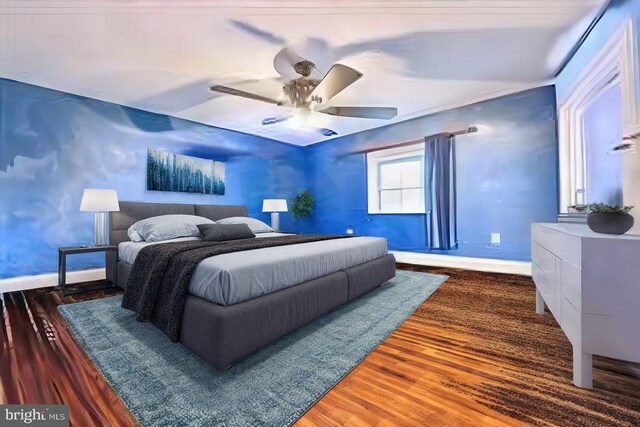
{"x":470,"y":129}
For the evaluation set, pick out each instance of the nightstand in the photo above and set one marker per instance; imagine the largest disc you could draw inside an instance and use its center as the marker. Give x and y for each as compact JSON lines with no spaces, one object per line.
{"x":62,"y":265}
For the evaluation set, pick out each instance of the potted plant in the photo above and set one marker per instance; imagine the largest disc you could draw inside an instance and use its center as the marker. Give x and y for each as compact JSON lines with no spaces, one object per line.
{"x":609,"y":219}
{"x":302,"y":205}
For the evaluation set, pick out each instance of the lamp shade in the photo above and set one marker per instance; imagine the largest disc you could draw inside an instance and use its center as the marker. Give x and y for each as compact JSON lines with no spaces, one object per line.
{"x":97,"y":200}
{"x":274,"y":205}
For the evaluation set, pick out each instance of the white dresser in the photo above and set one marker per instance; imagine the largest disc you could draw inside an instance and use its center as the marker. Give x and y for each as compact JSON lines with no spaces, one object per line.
{"x":591,"y":284}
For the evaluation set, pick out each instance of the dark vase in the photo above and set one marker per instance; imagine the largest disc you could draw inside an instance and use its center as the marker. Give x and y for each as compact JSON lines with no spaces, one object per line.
{"x":610,"y":223}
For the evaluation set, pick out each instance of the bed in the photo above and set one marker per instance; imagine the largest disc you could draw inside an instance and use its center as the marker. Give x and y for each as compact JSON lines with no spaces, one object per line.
{"x":239,"y":302}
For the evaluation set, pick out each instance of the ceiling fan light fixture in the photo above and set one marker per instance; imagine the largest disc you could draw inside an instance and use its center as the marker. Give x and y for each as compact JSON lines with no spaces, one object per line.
{"x":304,"y":68}
{"x":298,"y":90}
{"x":300,"y":120}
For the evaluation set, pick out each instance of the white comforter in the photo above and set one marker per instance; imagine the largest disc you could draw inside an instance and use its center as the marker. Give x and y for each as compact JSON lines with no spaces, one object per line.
{"x":236,"y":277}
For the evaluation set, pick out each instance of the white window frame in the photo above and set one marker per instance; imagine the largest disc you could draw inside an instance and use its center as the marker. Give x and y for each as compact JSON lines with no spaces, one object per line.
{"x":616,"y":63}
{"x":387,"y":155}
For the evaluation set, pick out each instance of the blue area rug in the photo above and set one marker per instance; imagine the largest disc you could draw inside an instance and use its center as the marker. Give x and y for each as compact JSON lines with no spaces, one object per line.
{"x":163,"y":383}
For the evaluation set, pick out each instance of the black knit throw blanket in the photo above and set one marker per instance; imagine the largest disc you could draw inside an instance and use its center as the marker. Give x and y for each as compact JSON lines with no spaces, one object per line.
{"x":160,"y":276}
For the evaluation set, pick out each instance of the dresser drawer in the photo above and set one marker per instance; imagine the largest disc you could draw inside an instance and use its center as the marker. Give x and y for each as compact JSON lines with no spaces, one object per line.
{"x":564,"y":246}
{"x":570,"y":284}
{"x":545,"y":260}
{"x":571,"y":323}
{"x":544,"y":286}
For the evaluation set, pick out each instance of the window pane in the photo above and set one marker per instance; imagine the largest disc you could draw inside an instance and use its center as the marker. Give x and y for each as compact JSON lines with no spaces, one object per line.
{"x":412,"y":200}
{"x":395,"y":180}
{"x":391,"y":201}
{"x":411,"y":176}
{"x":390,"y":175}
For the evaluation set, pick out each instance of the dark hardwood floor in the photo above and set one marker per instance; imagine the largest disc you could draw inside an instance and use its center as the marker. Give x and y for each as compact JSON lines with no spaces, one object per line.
{"x":475,"y":353}
{"x":42,"y":364}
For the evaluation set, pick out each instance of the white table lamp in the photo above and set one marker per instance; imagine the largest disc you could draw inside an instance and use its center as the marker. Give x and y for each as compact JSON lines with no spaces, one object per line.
{"x":274,"y":206}
{"x":100,"y":202}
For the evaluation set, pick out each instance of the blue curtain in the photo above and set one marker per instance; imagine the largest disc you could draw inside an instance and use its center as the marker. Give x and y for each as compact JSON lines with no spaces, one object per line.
{"x":440,"y":192}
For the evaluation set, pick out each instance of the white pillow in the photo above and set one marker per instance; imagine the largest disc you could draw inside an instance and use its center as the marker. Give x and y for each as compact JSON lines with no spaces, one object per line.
{"x":255,"y":225}
{"x":166,"y":227}
{"x":133,"y":235}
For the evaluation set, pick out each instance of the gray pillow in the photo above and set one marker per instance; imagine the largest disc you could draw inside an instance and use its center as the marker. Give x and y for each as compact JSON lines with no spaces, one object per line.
{"x":255,"y":225}
{"x":166,"y":227}
{"x":224,"y":232}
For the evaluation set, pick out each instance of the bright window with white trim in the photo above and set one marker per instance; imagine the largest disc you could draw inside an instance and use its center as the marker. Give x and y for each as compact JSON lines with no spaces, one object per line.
{"x":395,"y":180}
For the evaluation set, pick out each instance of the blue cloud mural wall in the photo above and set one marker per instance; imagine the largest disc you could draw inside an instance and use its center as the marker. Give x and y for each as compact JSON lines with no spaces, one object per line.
{"x":506,"y":176}
{"x":53,"y":145}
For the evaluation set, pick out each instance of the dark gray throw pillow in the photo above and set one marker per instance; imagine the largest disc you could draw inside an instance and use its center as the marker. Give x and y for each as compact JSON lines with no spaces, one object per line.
{"x":224,"y":232}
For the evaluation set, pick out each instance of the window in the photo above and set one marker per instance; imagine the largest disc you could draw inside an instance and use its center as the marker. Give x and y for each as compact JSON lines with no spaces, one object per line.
{"x":395,"y":180}
{"x":616,"y":63}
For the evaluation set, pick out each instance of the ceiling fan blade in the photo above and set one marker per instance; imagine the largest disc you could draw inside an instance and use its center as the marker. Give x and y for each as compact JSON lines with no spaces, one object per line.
{"x":337,"y":79}
{"x":274,"y":120}
{"x":237,"y":92}
{"x":383,"y":113}
{"x":285,"y":63}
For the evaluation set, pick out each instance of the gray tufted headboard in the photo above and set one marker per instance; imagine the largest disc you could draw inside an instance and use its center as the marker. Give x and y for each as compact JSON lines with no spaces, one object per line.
{"x":131,"y":212}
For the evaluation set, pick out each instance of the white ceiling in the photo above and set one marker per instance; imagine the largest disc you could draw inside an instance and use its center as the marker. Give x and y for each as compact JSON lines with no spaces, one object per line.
{"x":161,"y":55}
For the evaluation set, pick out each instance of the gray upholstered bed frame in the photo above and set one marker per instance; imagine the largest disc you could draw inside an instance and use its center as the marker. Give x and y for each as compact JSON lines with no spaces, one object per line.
{"x":222,"y":335}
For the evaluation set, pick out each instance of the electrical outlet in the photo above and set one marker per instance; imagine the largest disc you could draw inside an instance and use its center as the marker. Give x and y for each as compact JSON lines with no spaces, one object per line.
{"x":495,"y":240}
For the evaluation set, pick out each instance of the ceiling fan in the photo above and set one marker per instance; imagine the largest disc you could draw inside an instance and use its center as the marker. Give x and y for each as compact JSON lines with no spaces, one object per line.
{"x":305,"y":87}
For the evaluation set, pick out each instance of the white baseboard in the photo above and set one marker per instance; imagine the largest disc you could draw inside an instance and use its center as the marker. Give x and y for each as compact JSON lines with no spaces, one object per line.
{"x":432,"y":260}
{"x":478,"y":264}
{"x":23,"y":283}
